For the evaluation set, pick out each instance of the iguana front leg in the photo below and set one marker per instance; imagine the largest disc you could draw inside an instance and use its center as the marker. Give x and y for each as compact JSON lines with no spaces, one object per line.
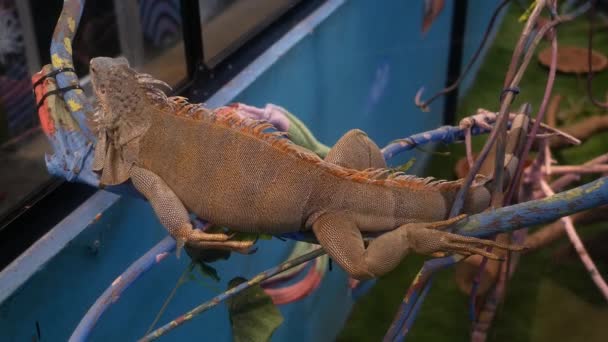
{"x":339,"y":235}
{"x":174,"y":216}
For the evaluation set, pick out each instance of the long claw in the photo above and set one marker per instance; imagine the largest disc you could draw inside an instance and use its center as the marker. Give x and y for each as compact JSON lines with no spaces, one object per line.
{"x":486,"y":243}
{"x":445,"y":223}
{"x":236,"y":246}
{"x":203,"y":236}
{"x":466,"y":250}
{"x":180,"y":243}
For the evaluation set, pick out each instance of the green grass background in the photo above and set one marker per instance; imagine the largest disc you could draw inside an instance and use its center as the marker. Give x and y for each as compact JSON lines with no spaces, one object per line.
{"x":549,"y":298}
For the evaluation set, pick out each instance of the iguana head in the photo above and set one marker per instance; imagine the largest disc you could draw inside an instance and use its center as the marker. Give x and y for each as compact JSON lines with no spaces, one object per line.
{"x":125,"y":99}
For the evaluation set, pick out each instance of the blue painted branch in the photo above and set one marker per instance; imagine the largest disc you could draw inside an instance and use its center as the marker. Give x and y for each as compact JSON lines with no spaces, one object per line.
{"x":73,"y":148}
{"x":61,"y":57}
{"x":112,"y":293}
{"x":531,"y":213}
{"x":415,"y":296}
{"x":444,"y":134}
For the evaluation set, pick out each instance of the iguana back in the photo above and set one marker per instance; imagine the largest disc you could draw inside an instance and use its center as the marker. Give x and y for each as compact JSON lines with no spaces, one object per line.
{"x":234,"y":172}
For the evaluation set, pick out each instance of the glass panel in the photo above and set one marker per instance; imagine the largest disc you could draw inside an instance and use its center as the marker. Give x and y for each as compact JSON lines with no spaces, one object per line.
{"x":151,"y":36}
{"x":147,"y":32}
{"x":21,"y":146}
{"x":227,"y":24}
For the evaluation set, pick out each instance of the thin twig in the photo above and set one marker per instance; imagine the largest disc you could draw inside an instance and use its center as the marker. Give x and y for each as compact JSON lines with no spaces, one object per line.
{"x":579,"y":247}
{"x":565,"y":180}
{"x":424,"y":105}
{"x":230,"y":293}
{"x":179,"y":282}
{"x":114,"y":291}
{"x":502,"y":117}
{"x":491,"y":117}
{"x":580,"y":169}
{"x":523,"y":38}
{"x":541,"y":112}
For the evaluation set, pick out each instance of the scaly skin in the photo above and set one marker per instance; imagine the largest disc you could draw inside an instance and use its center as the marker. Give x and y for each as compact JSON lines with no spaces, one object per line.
{"x":184,"y":158}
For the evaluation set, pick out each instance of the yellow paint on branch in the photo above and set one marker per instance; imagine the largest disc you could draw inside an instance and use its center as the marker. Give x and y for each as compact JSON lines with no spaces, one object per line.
{"x":74,"y":106}
{"x":71,"y":24}
{"x":597,"y":185}
{"x":68,"y":45}
{"x":59,"y":62}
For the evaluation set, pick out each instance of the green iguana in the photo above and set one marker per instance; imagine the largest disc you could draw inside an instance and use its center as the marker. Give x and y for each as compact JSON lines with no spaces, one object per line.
{"x":239,"y":173}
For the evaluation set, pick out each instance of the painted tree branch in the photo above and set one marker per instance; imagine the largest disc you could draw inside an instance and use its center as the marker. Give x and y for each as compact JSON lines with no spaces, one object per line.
{"x":535,"y":212}
{"x":550,"y":233}
{"x":579,"y":247}
{"x":229,"y":293}
{"x":511,"y":83}
{"x":112,"y":293}
{"x":583,"y":129}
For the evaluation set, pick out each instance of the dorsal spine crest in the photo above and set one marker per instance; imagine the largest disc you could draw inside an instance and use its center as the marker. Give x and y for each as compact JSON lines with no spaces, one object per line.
{"x":228,"y":117}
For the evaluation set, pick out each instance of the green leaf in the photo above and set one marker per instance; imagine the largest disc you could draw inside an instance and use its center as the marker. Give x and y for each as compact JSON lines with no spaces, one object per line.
{"x":406,"y":166}
{"x":253,"y":315}
{"x":433,"y":153}
{"x":208,"y":271}
{"x":240,"y":236}
{"x":264,"y":237}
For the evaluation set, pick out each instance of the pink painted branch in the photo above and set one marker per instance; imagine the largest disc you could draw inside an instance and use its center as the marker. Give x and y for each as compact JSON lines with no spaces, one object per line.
{"x":469,"y":148}
{"x":299,"y":290}
{"x":512,"y":191}
{"x":560,"y":183}
{"x":579,"y":247}
{"x":523,"y":39}
{"x":580,"y":169}
{"x":563,"y":181}
{"x":500,"y":198}
{"x":484,"y":118}
{"x":488,"y":311}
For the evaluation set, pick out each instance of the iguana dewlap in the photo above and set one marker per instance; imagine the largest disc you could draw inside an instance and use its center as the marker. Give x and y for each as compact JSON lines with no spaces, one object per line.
{"x":239,"y":174}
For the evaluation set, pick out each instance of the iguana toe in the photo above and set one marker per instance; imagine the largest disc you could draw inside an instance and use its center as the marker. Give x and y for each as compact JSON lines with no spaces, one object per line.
{"x":243,"y":247}
{"x":429,"y":241}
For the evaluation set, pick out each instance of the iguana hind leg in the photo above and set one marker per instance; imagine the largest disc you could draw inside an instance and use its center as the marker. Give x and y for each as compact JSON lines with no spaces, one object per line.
{"x":174,"y":216}
{"x":355,"y":150}
{"x":342,"y":239}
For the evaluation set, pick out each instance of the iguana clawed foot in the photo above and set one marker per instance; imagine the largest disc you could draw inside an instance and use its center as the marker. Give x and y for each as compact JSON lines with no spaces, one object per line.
{"x":428,"y":241}
{"x":199,"y":239}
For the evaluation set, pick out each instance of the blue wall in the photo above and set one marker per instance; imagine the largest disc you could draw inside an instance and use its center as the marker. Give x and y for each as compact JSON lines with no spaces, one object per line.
{"x":359,"y":69}
{"x":478,"y":18}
